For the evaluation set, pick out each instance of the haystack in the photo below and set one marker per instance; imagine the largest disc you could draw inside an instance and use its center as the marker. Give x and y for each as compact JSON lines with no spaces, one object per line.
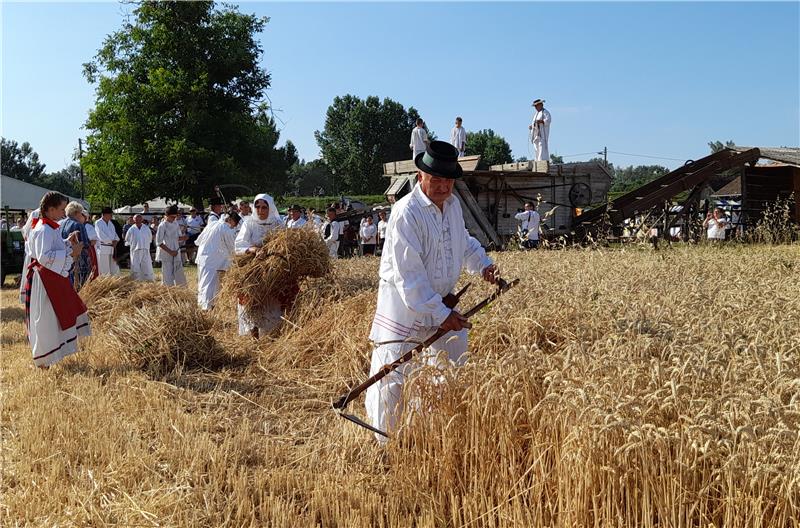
{"x":287,"y":257}
{"x":151,"y":327}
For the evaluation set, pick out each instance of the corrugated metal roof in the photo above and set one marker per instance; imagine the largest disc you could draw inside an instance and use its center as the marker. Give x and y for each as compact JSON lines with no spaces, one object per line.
{"x":788,"y":155}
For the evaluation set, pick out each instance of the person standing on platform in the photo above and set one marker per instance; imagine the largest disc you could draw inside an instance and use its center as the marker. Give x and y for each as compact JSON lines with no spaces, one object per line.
{"x":419,"y":139}
{"x":458,"y":138}
{"x":540,"y":131}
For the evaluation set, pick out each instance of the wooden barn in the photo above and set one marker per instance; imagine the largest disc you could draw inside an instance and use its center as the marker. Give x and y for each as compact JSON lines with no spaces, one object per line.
{"x":491,"y":196}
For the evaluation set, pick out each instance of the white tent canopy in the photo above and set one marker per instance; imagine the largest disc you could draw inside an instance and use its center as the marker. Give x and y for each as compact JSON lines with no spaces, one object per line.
{"x":17,"y":194}
{"x":157,"y":206}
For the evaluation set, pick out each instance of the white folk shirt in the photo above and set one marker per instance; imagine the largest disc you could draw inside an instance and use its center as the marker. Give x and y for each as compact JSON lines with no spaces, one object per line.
{"x":214,"y":217}
{"x":167,"y":234}
{"x":253,"y":232}
{"x":530,"y":221}
{"x":716,"y":229}
{"x":292,"y":224}
{"x":422,"y":259}
{"x":382,"y":225}
{"x":458,"y":138}
{"x":369,"y":234}
{"x":91,"y":234}
{"x":541,"y":132}
{"x":139,"y":238}
{"x":419,"y":140}
{"x":215,"y":246}
{"x":106,"y":235}
{"x":332,"y":238}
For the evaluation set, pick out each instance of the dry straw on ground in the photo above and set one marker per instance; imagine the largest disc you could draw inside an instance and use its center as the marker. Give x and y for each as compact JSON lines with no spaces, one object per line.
{"x":612,"y":388}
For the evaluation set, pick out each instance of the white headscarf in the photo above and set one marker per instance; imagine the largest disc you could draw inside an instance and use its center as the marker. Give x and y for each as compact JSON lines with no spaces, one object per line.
{"x":273,"y":211}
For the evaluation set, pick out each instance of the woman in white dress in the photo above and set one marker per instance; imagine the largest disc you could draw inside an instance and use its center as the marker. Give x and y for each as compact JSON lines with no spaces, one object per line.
{"x":54,"y":313}
{"x":30,"y":223}
{"x":250,"y":238}
{"x":215,"y":246}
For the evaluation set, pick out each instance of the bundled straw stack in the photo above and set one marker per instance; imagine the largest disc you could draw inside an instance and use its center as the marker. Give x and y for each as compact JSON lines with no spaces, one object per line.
{"x":153,"y":328}
{"x":287,"y":257}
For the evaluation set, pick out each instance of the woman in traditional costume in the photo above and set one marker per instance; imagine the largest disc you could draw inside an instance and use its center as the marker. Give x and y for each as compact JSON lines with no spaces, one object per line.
{"x":55,"y":315}
{"x":250,"y":238}
{"x":30,"y":223}
{"x":85,"y":268}
{"x":215,"y":246}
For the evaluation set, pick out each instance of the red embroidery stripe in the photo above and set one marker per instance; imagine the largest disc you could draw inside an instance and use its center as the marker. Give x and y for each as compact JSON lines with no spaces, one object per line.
{"x":392,"y":321}
{"x":403,"y":333}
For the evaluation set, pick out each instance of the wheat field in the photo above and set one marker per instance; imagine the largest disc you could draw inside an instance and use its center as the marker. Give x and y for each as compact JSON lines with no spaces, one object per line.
{"x":610,"y":388}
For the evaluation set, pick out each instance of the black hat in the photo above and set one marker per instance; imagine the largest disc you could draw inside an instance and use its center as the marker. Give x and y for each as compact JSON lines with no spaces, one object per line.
{"x":439,"y":159}
{"x":295,"y":207}
{"x":215,"y":201}
{"x":107,"y":210}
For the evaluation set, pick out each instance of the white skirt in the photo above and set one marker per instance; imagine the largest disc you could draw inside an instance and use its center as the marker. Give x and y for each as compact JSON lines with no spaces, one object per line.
{"x":49,"y":342}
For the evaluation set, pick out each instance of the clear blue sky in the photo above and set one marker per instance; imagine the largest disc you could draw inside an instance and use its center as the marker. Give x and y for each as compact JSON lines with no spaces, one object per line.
{"x":659,"y":79}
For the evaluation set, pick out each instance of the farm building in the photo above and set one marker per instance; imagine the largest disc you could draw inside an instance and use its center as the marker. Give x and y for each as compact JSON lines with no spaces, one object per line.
{"x":689,"y":186}
{"x":491,"y":196}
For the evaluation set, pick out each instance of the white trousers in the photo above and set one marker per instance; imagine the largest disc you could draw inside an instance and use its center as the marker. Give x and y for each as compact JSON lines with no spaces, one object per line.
{"x":333,"y":249}
{"x":207,"y":285}
{"x":542,"y":152}
{"x":266,"y":322}
{"x":142,"y":265}
{"x":172,"y":270}
{"x":106,"y":265}
{"x":384,"y":399}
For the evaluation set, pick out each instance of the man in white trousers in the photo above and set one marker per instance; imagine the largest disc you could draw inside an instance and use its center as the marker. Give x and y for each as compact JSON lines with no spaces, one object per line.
{"x":427,"y":245}
{"x":168,"y":242}
{"x":138,"y":238}
{"x":540,"y":131}
{"x":458,"y":138}
{"x":107,"y":239}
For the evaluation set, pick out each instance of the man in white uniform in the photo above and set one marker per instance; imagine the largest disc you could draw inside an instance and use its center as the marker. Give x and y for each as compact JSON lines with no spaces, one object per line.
{"x":458,"y":138}
{"x":107,"y":239}
{"x":419,"y":139}
{"x":295,"y":218}
{"x":168,"y":241}
{"x":427,"y":245}
{"x":138,"y":238}
{"x":215,"y":247}
{"x":530,"y":226}
{"x":330,"y":232}
{"x":216,"y":210}
{"x":540,"y":131}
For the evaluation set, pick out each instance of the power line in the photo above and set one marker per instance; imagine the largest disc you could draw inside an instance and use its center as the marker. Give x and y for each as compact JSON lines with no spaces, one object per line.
{"x":645,"y":156}
{"x":581,"y":154}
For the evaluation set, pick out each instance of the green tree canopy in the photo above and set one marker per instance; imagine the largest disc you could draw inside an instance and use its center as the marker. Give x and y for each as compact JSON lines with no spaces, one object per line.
{"x":360,"y":135}
{"x":20,"y":161}
{"x":632,"y":177}
{"x":493,"y":149}
{"x":311,"y":178}
{"x":716,"y":146}
{"x":179,"y":106}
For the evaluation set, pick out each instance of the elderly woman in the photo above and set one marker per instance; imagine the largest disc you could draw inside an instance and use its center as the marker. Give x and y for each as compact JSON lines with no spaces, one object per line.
{"x":85,"y":266}
{"x":250,"y":238}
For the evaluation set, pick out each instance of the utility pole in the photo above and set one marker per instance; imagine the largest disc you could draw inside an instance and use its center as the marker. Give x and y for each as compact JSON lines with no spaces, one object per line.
{"x":80,"y":165}
{"x":605,"y":156}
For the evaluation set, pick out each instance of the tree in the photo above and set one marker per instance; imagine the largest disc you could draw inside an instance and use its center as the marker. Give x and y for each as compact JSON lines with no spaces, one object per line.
{"x":307,"y":179}
{"x":556,"y":159}
{"x":632,"y":177}
{"x":716,"y":146}
{"x":66,"y":181}
{"x":179,"y":106}
{"x":493,"y":149}
{"x":360,"y":135}
{"x":20,"y":161}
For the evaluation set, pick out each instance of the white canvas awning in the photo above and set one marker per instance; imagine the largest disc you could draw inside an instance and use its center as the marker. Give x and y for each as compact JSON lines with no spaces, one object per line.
{"x":157,"y":205}
{"x":17,"y":194}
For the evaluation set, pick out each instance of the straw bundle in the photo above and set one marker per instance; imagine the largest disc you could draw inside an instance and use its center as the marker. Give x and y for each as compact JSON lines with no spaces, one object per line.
{"x":150,"y":327}
{"x":287,"y":256}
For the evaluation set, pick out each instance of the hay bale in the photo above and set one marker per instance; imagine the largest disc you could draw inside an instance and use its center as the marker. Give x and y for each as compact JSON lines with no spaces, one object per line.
{"x":287,"y":257}
{"x":103,"y":294}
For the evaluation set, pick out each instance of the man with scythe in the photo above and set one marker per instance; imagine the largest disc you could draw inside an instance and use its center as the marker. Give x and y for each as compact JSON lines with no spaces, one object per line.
{"x":426,"y":247}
